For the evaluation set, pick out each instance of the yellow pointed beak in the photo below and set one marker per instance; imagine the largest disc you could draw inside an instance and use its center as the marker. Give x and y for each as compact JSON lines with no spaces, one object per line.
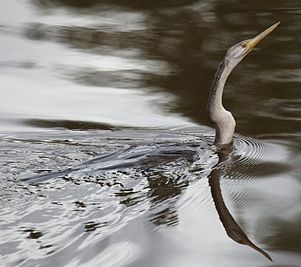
{"x":253,"y":42}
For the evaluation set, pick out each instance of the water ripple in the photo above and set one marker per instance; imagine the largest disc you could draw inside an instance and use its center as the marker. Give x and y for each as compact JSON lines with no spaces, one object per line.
{"x":253,"y":158}
{"x":83,"y":188}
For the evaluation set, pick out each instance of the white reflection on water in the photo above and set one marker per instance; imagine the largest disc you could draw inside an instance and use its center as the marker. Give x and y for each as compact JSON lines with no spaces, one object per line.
{"x":38,"y":92}
{"x":118,"y":254}
{"x":37,"y":77}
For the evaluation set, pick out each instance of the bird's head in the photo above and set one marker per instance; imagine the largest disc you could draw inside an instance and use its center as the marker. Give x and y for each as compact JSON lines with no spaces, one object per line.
{"x":237,"y":52}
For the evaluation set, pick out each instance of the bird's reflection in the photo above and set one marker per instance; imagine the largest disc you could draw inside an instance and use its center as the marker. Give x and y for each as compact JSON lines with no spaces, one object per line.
{"x":232,"y":228}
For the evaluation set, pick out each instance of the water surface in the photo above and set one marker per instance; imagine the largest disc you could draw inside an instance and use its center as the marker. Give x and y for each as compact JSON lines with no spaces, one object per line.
{"x":106,"y":150}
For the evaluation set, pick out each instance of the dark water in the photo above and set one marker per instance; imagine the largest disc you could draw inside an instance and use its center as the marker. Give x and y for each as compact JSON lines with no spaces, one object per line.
{"x":106,"y":150}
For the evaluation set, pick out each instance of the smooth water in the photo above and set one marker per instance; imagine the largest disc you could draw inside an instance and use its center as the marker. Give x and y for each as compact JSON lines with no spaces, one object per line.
{"x":106,"y":155}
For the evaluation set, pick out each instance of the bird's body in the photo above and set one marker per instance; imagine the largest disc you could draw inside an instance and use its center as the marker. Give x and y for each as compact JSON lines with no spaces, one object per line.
{"x":223,"y":120}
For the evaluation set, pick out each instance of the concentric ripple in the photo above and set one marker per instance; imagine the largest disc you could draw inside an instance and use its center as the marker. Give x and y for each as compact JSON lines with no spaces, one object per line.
{"x":254,"y":158}
{"x":248,"y":150}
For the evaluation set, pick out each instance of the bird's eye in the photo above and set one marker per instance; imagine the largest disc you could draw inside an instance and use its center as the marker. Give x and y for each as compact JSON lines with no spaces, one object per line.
{"x":244,"y":45}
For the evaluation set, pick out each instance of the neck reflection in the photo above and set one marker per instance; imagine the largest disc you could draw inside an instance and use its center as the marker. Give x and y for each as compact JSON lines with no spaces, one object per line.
{"x":233,"y":230}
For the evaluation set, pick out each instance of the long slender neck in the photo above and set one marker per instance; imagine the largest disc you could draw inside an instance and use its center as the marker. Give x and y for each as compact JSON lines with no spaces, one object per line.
{"x":215,"y":100}
{"x":222,"y":119}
